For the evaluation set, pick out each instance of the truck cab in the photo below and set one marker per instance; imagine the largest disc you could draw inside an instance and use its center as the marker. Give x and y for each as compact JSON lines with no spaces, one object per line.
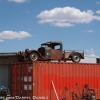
{"x":51,"y":50}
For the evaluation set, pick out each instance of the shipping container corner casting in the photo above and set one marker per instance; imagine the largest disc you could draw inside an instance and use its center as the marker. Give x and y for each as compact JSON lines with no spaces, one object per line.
{"x":50,"y":51}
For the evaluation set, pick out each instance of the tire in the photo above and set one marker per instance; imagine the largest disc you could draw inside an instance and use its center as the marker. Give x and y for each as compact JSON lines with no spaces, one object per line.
{"x":33,"y":56}
{"x":76,"y":57}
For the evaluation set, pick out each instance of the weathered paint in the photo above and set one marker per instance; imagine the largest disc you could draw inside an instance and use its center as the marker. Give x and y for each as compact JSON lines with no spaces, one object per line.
{"x":48,"y":80}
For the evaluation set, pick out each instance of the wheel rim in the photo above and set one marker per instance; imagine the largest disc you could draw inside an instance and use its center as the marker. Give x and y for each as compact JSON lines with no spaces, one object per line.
{"x":34,"y":57}
{"x":76,"y":58}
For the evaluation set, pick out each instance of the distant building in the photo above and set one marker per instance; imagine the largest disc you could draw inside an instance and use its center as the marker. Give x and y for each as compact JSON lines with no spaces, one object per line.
{"x":90,"y":59}
{"x":98,"y":60}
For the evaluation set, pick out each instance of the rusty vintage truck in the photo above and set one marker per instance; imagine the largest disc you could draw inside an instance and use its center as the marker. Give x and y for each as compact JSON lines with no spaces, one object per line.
{"x":49,"y":51}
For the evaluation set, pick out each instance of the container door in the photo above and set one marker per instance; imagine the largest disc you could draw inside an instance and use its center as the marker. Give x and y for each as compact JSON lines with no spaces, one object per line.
{"x":22,"y":81}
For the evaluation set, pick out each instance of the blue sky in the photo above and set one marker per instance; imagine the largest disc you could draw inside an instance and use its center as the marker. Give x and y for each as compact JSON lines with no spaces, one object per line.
{"x":28,"y":23}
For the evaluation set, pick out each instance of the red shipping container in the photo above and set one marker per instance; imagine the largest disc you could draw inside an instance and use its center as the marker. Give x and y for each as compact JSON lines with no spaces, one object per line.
{"x":53,"y":80}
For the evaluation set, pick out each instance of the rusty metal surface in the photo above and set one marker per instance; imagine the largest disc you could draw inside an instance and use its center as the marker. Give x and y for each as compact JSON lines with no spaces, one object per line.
{"x":56,"y":54}
{"x":52,"y":80}
{"x":8,"y":57}
{"x":22,"y":80}
{"x":67,"y":54}
{"x":8,"y":60}
{"x":50,"y":52}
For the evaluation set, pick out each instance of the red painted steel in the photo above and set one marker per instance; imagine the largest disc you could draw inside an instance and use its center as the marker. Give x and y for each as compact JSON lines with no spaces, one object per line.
{"x":53,"y":80}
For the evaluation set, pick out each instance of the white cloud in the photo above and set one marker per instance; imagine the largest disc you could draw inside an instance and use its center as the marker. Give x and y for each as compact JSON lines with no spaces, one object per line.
{"x":90,"y":57}
{"x":13,"y":35}
{"x":91,"y":31}
{"x":93,"y":55}
{"x":98,"y":11}
{"x":91,"y":51}
{"x":1,"y":40}
{"x":27,"y":12}
{"x":97,"y":2}
{"x":19,"y":1}
{"x":61,"y":24}
{"x":66,"y":16}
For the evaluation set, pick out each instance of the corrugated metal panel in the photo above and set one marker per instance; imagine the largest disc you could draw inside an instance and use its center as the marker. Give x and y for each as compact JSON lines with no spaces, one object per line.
{"x":22,"y":79}
{"x":46,"y":80}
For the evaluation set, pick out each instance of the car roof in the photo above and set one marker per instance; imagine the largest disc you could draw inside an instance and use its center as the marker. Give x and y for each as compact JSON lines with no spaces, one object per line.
{"x":52,"y":42}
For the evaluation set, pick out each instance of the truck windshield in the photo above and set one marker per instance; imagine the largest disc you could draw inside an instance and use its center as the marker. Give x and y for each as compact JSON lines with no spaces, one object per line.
{"x":42,"y":45}
{"x":53,"y":45}
{"x":57,"y":47}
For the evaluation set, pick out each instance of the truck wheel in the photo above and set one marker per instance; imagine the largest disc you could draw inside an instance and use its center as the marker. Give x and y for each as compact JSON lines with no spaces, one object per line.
{"x":76,"y":57}
{"x":33,"y":56}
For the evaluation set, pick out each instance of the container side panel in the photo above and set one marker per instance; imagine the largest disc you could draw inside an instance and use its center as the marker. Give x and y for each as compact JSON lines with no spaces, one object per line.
{"x":71,"y":76}
{"x":54,"y":80}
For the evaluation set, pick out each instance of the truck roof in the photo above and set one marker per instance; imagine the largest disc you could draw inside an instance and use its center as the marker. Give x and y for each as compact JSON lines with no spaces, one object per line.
{"x":52,"y":42}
